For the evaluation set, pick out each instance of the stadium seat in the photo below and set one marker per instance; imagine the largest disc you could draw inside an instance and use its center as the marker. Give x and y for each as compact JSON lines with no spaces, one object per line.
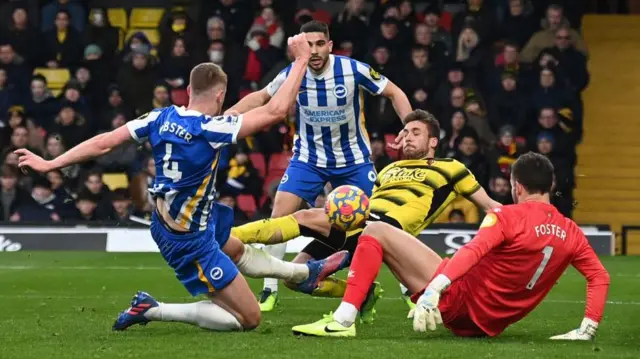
{"x":56,"y":92}
{"x":152,"y":34}
{"x":179,"y":97}
{"x":257,"y":159}
{"x":247,"y":204}
{"x":446,"y":20}
{"x":146,"y":17}
{"x":390,"y":138}
{"x":115,"y":180}
{"x":279,"y":162}
{"x":56,"y":78}
{"x":118,"y":18}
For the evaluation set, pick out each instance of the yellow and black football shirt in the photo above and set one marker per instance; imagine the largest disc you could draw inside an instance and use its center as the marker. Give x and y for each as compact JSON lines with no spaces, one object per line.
{"x":415,"y":192}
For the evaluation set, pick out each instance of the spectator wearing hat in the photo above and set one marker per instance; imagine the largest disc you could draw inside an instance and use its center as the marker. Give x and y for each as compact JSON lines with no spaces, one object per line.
{"x":351,"y":25}
{"x":101,"y":33}
{"x":379,"y":154}
{"x":518,"y":24}
{"x":261,"y":56}
{"x":137,"y":79}
{"x":564,"y":180}
{"x":18,"y":72}
{"x":270,"y":21}
{"x":22,"y":35}
{"x":102,"y":70}
{"x":61,"y":46}
{"x":41,"y":105}
{"x":509,"y":105}
{"x":506,"y":151}
{"x":71,"y":126}
{"x":137,"y":41}
{"x":51,"y":10}
{"x":423,"y":37}
{"x":12,"y":197}
{"x":438,"y":33}
{"x":122,"y":205}
{"x":546,"y":37}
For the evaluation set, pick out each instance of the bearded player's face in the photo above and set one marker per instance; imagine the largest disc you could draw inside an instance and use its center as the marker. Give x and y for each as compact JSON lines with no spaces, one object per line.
{"x":321,"y":47}
{"x":416,"y":142}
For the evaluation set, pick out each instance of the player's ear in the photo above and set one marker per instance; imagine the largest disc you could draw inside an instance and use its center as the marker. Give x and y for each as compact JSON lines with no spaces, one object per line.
{"x":189,"y":91}
{"x":330,"y":43}
{"x":433,"y":142}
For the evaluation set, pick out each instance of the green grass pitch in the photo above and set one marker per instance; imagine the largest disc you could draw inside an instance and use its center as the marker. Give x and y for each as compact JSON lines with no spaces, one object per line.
{"x":62,"y":305}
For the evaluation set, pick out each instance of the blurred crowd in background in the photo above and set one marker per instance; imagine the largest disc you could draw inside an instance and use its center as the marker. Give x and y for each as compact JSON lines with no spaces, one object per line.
{"x":502,"y":76}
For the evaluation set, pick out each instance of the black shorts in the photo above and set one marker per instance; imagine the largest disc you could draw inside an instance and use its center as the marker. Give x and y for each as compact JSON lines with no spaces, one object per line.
{"x":322,"y":247}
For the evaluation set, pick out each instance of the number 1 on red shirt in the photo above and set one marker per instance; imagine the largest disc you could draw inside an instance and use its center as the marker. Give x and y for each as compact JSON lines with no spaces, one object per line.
{"x":547,"y":251}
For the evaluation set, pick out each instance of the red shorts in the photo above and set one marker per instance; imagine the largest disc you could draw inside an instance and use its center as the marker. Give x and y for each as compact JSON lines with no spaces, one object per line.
{"x":453,"y":307}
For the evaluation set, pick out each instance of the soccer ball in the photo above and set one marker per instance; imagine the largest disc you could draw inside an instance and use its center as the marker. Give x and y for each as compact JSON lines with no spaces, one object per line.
{"x":347,"y":207}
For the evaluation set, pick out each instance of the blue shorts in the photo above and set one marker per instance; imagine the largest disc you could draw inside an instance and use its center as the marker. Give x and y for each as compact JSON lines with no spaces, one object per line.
{"x":307,"y":181}
{"x":197,"y":257}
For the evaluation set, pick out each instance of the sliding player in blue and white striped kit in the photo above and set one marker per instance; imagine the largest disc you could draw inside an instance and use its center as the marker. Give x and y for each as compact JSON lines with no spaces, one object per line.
{"x":331,"y":143}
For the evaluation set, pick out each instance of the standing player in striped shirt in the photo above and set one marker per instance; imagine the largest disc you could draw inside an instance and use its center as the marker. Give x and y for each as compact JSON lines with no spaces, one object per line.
{"x":331,"y":143}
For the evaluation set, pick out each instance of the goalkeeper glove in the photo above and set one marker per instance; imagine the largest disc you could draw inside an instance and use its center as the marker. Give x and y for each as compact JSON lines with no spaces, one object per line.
{"x":426,"y":314}
{"x":587,"y":331}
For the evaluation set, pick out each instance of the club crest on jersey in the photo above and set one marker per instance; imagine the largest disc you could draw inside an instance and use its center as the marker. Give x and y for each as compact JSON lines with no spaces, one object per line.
{"x":374,"y":74}
{"x":489,"y":220}
{"x":340,"y":91}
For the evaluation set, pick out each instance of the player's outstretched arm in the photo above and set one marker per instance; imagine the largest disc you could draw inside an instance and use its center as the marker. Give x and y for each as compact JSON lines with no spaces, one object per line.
{"x":278,"y":107}
{"x":91,"y":148}
{"x":249,"y":102}
{"x":398,"y":99}
{"x":482,"y":200}
{"x":588,"y":264}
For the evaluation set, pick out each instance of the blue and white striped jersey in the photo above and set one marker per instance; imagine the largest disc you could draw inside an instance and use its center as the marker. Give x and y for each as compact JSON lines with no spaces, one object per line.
{"x":186,"y":146}
{"x":330,"y":129}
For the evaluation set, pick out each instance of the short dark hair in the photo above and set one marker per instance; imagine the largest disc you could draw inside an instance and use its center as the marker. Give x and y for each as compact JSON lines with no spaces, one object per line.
{"x":64,"y":11}
{"x":206,"y":76}
{"x":315,"y":26}
{"x":427,"y":118}
{"x":534,"y":172}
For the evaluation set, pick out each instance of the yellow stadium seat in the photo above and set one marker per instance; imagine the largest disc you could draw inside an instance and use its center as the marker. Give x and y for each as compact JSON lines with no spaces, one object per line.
{"x":152,"y":34}
{"x":146,"y":17}
{"x":56,"y":92}
{"x":118,"y":18}
{"x":56,"y":78}
{"x":115,"y":180}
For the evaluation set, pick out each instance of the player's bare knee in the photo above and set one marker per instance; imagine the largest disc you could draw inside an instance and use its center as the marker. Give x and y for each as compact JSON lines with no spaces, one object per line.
{"x":304,"y":217}
{"x":251,"y":320}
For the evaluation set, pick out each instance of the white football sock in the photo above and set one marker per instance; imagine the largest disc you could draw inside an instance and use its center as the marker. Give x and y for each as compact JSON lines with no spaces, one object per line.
{"x":257,"y":263}
{"x":278,"y":251}
{"x":204,"y":314}
{"x":345,"y":314}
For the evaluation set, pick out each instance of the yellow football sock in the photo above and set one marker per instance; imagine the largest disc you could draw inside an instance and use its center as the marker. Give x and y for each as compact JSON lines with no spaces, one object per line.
{"x":268,"y":231}
{"x":331,"y":287}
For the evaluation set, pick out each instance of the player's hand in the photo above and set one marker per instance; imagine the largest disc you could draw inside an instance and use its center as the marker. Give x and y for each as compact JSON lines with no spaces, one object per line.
{"x":299,"y":47}
{"x":587,"y":331}
{"x":397,"y":143}
{"x":28,"y":159}
{"x":427,"y":315}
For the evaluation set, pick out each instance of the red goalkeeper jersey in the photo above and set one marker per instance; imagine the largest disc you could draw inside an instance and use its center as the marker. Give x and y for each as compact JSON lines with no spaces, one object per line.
{"x":517,"y":256}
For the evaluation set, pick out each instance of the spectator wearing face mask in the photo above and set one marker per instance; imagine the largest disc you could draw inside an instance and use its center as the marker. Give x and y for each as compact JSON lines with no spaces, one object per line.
{"x":137,"y":41}
{"x":233,"y":66}
{"x":260,"y":58}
